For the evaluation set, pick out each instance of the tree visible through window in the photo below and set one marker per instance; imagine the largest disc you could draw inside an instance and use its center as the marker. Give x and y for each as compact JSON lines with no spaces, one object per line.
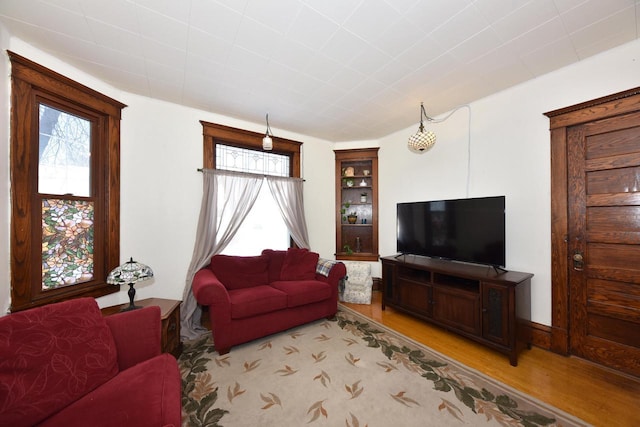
{"x":65,"y":144}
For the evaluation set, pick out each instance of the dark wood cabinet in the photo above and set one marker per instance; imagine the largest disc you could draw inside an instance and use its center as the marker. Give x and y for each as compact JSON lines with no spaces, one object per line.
{"x":478,"y":302}
{"x":357,"y":204}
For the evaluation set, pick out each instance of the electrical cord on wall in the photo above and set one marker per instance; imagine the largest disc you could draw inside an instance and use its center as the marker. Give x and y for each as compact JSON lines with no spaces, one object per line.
{"x":468,"y":107}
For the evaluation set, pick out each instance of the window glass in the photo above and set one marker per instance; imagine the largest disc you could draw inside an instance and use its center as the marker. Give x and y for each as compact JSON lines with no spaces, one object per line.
{"x":252,"y":161}
{"x":64,"y":153}
{"x":264,"y":227}
{"x":67,"y":242}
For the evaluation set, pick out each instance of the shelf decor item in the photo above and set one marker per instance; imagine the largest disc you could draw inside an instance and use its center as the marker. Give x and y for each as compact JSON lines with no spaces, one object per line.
{"x":352,"y":218}
{"x":127,"y":274}
{"x":349,"y":171}
{"x":363,"y":197}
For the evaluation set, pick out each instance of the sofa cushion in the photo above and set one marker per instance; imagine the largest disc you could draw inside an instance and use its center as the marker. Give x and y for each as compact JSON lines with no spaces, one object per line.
{"x":250,"y":302}
{"x":51,"y":356}
{"x":276,"y":258}
{"x":299,"y":264}
{"x":301,"y":292}
{"x":237,"y":272}
{"x":147,"y":394}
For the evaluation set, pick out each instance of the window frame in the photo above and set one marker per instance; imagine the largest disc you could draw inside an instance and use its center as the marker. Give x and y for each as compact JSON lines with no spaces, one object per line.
{"x":32,"y":84}
{"x":215,"y":133}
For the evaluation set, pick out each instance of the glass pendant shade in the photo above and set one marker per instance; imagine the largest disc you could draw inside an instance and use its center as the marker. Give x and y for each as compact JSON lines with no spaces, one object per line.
{"x":421,"y":141}
{"x":267,"y":143}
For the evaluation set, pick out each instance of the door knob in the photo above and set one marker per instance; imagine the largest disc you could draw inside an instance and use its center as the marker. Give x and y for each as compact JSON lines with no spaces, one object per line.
{"x":578,"y":261}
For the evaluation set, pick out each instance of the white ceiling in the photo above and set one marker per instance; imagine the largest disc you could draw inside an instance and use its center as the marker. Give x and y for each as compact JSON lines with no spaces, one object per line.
{"x":339,"y":70}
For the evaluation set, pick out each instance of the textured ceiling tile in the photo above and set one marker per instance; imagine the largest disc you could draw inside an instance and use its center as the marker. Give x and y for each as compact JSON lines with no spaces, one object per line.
{"x":312,"y":63}
{"x":278,"y":15}
{"x":336,"y":10}
{"x":343,"y":46}
{"x":312,"y":29}
{"x":524,"y":19}
{"x":371,"y":18}
{"x":214,"y":19}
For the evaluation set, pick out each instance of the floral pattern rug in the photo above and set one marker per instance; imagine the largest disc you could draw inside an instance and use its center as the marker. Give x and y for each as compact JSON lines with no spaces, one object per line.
{"x":350,"y":372}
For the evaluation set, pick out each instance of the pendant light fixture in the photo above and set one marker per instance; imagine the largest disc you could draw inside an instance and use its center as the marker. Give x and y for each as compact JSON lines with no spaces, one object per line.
{"x":267,"y":142}
{"x":422,"y":141}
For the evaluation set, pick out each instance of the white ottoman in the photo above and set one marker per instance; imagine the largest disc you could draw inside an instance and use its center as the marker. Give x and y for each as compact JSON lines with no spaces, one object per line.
{"x":358,"y":284}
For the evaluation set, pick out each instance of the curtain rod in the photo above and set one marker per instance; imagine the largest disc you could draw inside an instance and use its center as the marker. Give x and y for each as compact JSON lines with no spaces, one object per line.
{"x":265,"y":175}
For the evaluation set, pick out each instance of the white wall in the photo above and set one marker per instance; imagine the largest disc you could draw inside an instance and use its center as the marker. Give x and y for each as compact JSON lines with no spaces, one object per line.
{"x":5,"y":202}
{"x":162,"y":147}
{"x":161,"y":189}
{"x":510,"y":156}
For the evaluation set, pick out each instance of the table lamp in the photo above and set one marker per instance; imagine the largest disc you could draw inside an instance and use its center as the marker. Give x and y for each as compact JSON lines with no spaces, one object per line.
{"x":129,"y":273}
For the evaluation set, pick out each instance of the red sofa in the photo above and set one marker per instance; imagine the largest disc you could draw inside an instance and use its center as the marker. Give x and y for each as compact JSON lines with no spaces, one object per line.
{"x":66,"y":365}
{"x":251,"y":297}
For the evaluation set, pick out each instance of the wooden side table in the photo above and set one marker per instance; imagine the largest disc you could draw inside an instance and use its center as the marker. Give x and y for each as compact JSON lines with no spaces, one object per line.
{"x":170,"y":315}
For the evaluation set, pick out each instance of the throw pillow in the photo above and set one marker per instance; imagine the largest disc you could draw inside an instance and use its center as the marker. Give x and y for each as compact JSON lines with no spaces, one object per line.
{"x":299,"y":264}
{"x":237,"y":272}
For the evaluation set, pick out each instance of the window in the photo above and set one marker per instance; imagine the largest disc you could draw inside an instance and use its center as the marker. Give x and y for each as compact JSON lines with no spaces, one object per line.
{"x":263,"y":227}
{"x":65,"y":143}
{"x":239,"y":150}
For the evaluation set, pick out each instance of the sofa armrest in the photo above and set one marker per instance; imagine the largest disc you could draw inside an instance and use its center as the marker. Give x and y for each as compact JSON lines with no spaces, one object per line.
{"x":136,"y":334}
{"x":209,"y":291}
{"x":337,"y":272}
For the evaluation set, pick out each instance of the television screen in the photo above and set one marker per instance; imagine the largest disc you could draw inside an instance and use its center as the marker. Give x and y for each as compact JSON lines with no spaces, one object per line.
{"x":469,"y":230}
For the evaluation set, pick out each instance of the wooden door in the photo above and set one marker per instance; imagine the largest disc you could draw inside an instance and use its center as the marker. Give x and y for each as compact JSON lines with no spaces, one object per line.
{"x":603,"y":200}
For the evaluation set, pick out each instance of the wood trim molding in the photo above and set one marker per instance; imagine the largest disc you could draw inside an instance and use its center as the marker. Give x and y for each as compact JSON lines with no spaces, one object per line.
{"x":560,"y":122}
{"x":540,"y":334}
{"x":32,"y":82}
{"x":213,"y":132}
{"x":599,"y":108}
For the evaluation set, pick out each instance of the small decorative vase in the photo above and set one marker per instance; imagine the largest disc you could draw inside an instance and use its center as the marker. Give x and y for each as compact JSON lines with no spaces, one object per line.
{"x":352,"y":219}
{"x":363,"y":198}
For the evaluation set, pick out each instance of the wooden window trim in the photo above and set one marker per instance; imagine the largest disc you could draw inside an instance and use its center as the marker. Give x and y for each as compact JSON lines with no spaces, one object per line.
{"x":214,"y":133}
{"x":29,"y":81}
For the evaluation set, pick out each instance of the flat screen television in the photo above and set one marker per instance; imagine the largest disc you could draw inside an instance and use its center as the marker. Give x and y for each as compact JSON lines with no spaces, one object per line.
{"x":469,"y":230}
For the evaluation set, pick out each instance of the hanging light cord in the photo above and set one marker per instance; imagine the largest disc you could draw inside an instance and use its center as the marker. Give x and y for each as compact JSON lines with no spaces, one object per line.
{"x":269,"y":132}
{"x":468,"y":135}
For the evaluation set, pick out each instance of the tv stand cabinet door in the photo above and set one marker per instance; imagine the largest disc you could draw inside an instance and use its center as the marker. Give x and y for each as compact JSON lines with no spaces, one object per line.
{"x":414,"y":296}
{"x":496,"y":322}
{"x":457,"y":309}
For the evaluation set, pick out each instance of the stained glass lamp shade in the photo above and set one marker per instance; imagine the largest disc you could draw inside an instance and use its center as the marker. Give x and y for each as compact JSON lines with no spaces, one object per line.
{"x":127,"y":274}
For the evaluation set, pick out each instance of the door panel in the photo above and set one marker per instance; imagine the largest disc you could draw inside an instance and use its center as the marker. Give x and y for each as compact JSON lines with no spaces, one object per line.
{"x":604,"y":241}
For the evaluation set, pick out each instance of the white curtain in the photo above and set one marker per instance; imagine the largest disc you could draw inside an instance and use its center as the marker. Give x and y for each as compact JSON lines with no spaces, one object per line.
{"x":227,"y":198}
{"x":288,"y":195}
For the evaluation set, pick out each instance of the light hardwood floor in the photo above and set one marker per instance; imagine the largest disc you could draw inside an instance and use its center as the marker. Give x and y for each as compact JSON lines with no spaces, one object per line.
{"x":597,"y":395}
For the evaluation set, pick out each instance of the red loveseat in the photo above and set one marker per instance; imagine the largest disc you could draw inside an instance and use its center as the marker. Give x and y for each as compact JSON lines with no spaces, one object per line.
{"x":251,"y":297}
{"x":66,"y":365}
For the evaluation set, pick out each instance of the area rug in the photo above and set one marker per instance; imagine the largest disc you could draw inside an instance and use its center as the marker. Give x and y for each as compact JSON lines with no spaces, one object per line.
{"x":350,"y":372}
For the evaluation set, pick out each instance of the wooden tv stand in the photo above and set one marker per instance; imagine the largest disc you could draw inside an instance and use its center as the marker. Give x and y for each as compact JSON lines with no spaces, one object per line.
{"x":478,"y":302}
